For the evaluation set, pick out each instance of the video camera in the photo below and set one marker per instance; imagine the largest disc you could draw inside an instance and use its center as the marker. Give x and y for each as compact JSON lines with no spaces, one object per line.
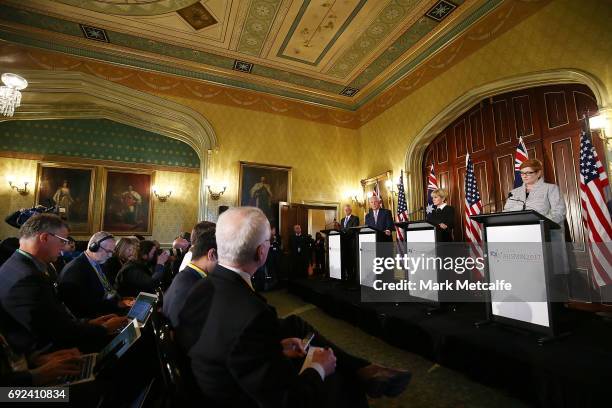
{"x":19,"y":217}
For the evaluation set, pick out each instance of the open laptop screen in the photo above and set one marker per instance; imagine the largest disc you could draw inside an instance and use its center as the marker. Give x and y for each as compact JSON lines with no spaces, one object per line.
{"x":121,"y":342}
{"x":142,"y":308}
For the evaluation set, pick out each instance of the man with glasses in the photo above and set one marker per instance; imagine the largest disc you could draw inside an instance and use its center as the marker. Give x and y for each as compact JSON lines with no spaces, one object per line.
{"x":84,"y":287}
{"x":31,"y":313}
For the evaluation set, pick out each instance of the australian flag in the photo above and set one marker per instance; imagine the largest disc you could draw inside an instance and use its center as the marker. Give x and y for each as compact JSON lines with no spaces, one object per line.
{"x":432,"y":185}
{"x":520,"y":156}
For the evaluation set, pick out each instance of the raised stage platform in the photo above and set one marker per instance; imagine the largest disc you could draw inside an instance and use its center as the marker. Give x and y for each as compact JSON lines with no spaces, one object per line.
{"x":574,"y":371}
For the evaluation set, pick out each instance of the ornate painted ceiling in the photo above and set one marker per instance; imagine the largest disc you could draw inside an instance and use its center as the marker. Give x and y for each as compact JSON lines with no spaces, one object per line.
{"x":336,"y":53}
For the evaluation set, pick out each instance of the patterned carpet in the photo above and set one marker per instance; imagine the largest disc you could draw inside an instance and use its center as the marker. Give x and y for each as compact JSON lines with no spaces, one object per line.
{"x":432,"y":386}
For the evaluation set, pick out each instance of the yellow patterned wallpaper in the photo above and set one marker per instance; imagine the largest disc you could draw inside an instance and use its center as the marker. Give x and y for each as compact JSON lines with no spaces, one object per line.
{"x":565,"y":34}
{"x":177,"y":214}
{"x":323,"y":157}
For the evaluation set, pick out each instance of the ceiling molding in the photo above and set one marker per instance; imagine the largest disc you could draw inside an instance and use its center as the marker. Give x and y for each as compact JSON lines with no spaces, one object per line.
{"x":69,"y":95}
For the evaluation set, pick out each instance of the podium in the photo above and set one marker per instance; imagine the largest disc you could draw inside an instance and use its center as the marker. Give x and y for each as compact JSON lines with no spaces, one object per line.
{"x":334,"y":254}
{"x":518,"y":250}
{"x":420,"y":239}
{"x":366,"y":236}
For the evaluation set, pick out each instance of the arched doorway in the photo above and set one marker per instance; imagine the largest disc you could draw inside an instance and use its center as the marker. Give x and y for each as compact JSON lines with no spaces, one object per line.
{"x":70,"y":95}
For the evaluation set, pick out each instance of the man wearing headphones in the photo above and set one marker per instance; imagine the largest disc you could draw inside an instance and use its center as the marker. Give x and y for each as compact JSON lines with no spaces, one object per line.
{"x":83,"y":286}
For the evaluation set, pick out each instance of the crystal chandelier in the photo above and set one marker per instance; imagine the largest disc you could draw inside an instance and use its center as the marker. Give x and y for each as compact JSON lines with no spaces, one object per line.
{"x":10,"y":97}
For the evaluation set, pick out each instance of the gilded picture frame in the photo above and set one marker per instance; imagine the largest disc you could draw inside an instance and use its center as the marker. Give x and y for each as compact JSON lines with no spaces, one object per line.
{"x":127,"y":201}
{"x":70,"y":188}
{"x":264,"y":186}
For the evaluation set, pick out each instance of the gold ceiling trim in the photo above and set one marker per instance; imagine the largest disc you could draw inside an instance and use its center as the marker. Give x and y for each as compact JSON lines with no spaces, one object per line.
{"x":447,"y":24}
{"x":119,"y":51}
{"x":489,"y":27}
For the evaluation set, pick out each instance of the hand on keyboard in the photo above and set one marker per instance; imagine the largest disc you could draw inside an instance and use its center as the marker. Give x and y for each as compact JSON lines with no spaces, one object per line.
{"x":54,"y":370}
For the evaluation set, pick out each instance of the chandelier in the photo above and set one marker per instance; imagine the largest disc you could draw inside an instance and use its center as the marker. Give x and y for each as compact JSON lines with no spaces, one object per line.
{"x":10,"y":97}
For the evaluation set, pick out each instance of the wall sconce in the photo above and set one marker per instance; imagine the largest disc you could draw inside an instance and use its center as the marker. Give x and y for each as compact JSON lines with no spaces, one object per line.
{"x":391,"y":187}
{"x":23,"y":191}
{"x":161,"y":197}
{"x":216,"y":190}
{"x":599,"y":122}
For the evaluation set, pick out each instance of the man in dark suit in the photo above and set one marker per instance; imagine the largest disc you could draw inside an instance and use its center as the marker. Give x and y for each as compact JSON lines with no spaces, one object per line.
{"x":380,"y":219}
{"x":349,"y":244}
{"x":299,"y":246}
{"x":242,"y":355}
{"x":32,"y":316}
{"x":83,"y":285}
{"x":203,"y":261}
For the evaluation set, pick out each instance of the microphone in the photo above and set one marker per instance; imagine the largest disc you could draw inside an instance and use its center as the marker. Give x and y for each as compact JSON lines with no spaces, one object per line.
{"x":416,"y":211}
{"x":510,"y":195}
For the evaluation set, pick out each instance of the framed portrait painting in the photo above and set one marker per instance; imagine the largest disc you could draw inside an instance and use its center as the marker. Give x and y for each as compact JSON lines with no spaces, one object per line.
{"x":70,"y":189}
{"x":264,"y":186}
{"x":127,"y":202}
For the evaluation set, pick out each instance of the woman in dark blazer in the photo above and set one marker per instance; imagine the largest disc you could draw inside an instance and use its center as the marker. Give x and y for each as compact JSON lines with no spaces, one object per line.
{"x":443,"y":216}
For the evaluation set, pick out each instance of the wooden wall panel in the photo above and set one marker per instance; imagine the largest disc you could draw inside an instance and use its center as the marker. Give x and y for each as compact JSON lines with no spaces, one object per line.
{"x":442,"y":149}
{"x":460,"y":134}
{"x":505,"y":179}
{"x":566,"y":177}
{"x":547,"y":118}
{"x":521,"y":105}
{"x":477,"y":139}
{"x":443,"y":181}
{"x":501,"y":122}
{"x":556,"y":109}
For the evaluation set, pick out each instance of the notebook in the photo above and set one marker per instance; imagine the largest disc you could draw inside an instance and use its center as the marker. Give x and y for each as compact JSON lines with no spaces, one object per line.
{"x":142,"y":308}
{"x":94,"y":362}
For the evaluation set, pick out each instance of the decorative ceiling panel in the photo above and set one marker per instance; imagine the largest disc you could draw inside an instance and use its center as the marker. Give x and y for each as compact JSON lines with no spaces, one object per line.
{"x":337,"y":53}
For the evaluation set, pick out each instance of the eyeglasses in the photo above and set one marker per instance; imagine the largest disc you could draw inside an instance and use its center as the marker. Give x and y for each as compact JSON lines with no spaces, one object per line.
{"x":108,"y":251}
{"x":528,"y":173}
{"x":64,"y":240}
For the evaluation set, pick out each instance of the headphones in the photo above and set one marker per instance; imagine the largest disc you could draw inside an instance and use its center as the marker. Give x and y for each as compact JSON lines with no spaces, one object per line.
{"x":95,"y":246}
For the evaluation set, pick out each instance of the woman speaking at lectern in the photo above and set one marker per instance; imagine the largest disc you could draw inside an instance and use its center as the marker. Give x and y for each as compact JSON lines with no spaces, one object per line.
{"x":536,"y":195}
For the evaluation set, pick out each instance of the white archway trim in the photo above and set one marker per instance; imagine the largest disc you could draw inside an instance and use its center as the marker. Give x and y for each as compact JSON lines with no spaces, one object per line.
{"x":413,"y":161}
{"x":72,"y":95}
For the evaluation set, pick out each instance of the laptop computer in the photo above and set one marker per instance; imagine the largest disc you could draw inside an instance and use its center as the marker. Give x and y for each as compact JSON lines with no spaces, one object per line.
{"x":142,"y":308}
{"x":93,"y":363}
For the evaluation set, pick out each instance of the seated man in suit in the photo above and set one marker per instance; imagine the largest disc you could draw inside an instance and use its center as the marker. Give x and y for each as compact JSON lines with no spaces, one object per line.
{"x":242,"y":355}
{"x":203,"y":261}
{"x":31,"y":314}
{"x":83,"y":285}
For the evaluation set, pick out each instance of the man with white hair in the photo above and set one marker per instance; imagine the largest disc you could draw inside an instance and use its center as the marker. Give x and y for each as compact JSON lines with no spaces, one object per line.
{"x":242,"y":355}
{"x":84,"y":287}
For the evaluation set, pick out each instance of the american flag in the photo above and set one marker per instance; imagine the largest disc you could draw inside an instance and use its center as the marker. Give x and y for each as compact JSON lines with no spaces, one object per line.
{"x":473,"y":206}
{"x":402,"y":207}
{"x":432,"y":184}
{"x":595,"y":214}
{"x":520,"y":156}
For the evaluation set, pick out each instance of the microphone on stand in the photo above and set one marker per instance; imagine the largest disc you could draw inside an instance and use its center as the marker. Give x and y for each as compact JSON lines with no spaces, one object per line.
{"x":510,"y":195}
{"x":416,"y":211}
